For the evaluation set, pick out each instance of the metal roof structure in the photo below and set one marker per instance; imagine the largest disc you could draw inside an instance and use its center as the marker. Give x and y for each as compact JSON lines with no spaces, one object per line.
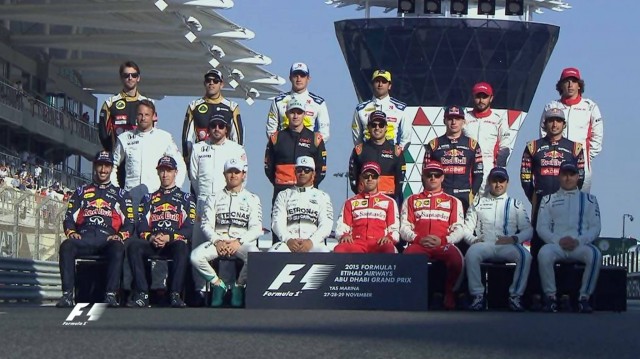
{"x":173,"y":41}
{"x":534,"y":6}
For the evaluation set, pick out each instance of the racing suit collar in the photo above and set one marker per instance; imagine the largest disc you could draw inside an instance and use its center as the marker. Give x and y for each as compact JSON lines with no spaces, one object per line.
{"x":368,"y":195}
{"x":569,"y":192}
{"x":302,"y":189}
{"x":210,"y":141}
{"x":123,"y":93}
{"x":169,"y":190}
{"x":483,"y":114}
{"x":571,"y":102}
{"x":381,"y":100}
{"x":143,"y":133}
{"x":502,"y":196}
{"x":215,"y":100}
{"x":293,"y":93}
{"x":232,"y":193}
{"x":432,"y":193}
{"x":102,"y":185}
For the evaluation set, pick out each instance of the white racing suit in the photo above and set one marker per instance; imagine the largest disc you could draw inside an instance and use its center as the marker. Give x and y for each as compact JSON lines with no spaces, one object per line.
{"x":302,"y":212}
{"x":141,"y":152}
{"x":316,"y":116}
{"x":494,"y":136}
{"x":575,"y":214}
{"x":228,"y":215}
{"x":399,"y":129}
{"x":487,"y":219}
{"x":206,"y":171}
{"x":584,"y":125}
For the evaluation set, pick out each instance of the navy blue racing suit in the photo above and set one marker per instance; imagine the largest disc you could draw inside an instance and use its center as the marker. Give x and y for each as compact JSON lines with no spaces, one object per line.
{"x":96,"y":212}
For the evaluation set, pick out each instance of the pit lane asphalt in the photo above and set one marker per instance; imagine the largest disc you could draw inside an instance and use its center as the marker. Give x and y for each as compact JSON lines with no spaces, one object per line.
{"x":38,"y":332}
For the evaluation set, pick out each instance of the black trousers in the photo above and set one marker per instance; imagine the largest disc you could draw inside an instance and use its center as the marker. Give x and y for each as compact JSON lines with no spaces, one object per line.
{"x":140,"y":250}
{"x":91,"y":243}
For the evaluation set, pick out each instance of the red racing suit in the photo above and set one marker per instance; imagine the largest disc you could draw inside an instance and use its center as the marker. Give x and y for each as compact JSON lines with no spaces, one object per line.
{"x":367,"y":218}
{"x":439,"y":214}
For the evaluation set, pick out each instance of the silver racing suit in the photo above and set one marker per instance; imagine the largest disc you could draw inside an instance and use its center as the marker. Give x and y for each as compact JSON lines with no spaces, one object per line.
{"x":302,"y":212}
{"x":228,"y":216}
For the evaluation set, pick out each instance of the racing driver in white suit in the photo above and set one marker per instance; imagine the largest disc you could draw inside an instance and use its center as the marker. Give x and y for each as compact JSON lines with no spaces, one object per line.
{"x":302,"y":216}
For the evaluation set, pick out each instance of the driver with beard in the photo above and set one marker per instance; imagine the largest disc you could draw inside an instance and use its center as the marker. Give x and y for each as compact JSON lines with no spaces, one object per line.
{"x":98,"y":220}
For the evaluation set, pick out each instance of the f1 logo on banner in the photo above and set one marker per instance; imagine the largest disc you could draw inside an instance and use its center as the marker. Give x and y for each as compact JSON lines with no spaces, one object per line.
{"x":337,"y":281}
{"x":311,"y":280}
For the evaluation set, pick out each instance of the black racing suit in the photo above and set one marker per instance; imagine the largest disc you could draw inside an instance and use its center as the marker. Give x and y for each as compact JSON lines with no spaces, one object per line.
{"x":196,"y":122}
{"x":118,"y":115}
{"x":392,"y":164}
{"x":461,"y":159}
{"x":96,"y":212}
{"x":165,"y":211}
{"x":284,"y":148}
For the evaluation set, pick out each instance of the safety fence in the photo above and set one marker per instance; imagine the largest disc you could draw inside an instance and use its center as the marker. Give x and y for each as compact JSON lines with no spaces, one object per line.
{"x":26,"y":280}
{"x":631,"y":261}
{"x":20,"y":100}
{"x":30,"y":225}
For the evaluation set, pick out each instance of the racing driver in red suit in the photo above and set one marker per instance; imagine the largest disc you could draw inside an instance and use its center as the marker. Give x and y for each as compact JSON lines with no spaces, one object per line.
{"x":368,"y":222}
{"x":427,"y":222}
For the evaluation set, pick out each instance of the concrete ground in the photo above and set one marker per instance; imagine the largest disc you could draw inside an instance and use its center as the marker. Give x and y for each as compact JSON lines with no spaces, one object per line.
{"x":38,"y":332}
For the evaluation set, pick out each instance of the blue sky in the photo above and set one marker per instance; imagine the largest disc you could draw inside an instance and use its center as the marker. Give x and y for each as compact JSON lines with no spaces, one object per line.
{"x":603,"y":47}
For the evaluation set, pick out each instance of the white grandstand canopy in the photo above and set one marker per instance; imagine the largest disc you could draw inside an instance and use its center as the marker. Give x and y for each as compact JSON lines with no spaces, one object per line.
{"x":533,"y":6}
{"x":173,"y":41}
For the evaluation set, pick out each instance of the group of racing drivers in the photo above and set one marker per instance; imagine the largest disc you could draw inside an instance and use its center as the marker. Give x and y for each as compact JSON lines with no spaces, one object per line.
{"x":135,"y":209}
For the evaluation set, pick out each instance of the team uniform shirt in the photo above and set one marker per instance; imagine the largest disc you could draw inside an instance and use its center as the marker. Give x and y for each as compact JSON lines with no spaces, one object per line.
{"x":584,"y":125}
{"x":494,"y":137}
{"x":168,"y":211}
{"x":461,"y":160}
{"x":231,"y":215}
{"x":196,"y":121}
{"x":391,"y":161}
{"x":369,"y":217}
{"x":435,"y":213}
{"x":141,"y":152}
{"x":103,"y":208}
{"x":316,"y":116}
{"x":206,"y":168}
{"x":284,"y":147}
{"x":118,"y":115}
{"x":541,"y":164}
{"x":302,"y":212}
{"x":398,"y":128}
